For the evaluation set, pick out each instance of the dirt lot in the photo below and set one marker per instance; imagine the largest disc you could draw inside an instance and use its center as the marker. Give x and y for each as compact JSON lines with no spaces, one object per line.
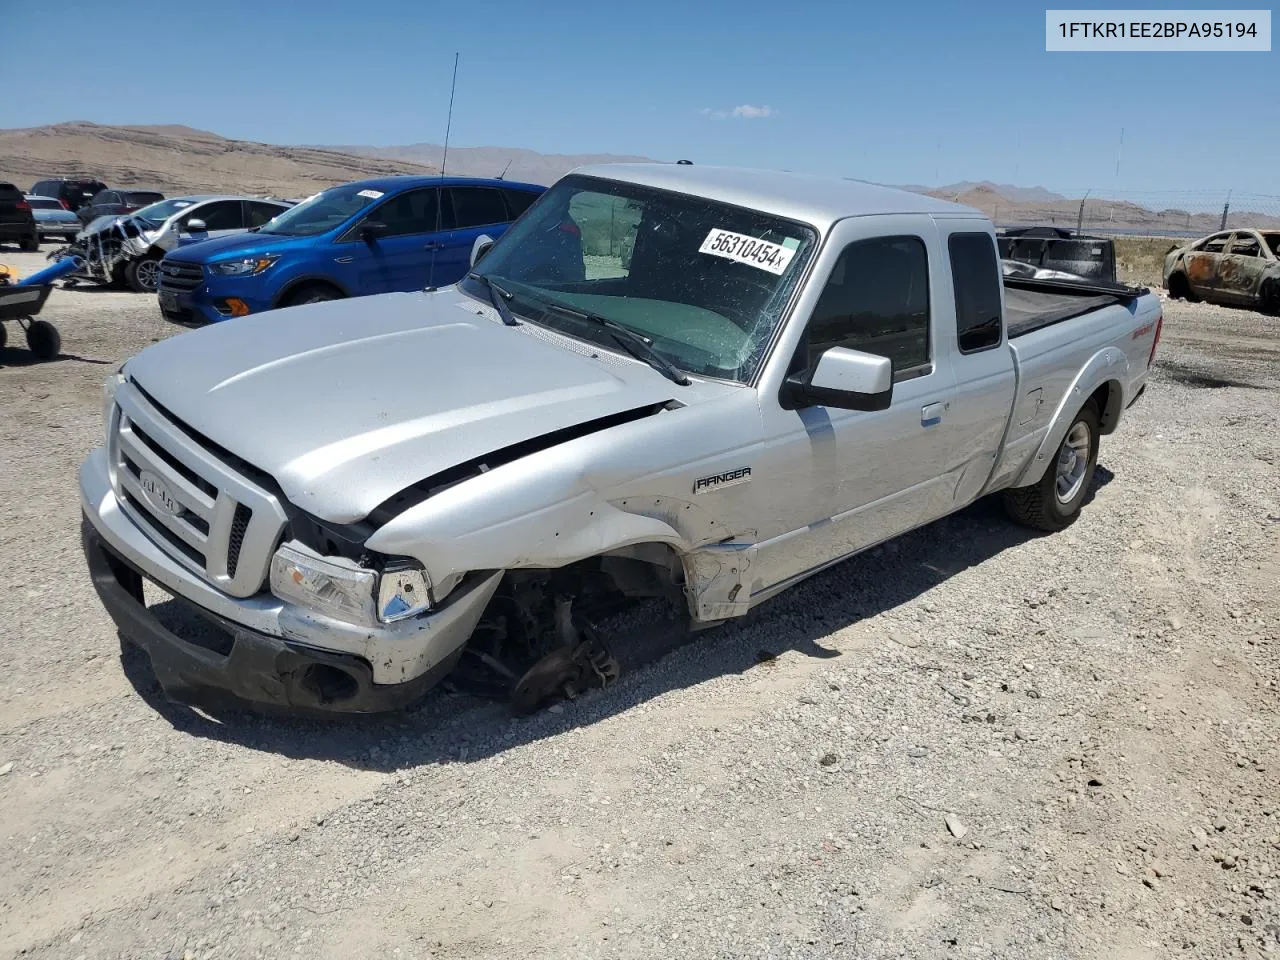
{"x":1096,"y":711}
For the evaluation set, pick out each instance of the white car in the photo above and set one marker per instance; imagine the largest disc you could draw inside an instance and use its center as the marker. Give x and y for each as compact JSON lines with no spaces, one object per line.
{"x":128,"y":249}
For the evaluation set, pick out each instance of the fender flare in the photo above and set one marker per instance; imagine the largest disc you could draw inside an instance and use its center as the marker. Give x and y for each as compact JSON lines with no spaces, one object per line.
{"x":1108,"y":367}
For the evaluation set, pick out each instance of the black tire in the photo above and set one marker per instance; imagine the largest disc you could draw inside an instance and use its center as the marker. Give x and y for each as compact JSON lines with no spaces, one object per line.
{"x":4,"y":335}
{"x":1040,"y":505}
{"x":143,"y":275}
{"x":311,"y":293}
{"x":29,"y":244}
{"x":43,"y":339}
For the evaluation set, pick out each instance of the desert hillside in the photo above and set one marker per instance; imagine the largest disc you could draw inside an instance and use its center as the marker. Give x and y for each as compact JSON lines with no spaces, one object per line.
{"x":177,"y":160}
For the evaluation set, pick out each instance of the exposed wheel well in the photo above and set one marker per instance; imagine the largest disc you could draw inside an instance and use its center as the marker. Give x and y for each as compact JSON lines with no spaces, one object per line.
{"x":1108,"y":400}
{"x":287,"y":294}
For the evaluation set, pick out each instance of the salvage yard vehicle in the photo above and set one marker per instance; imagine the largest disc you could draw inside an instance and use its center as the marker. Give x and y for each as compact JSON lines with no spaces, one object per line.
{"x":375,"y":236}
{"x":729,"y":381}
{"x":116,"y":203}
{"x":1239,"y":267}
{"x":17,"y":223}
{"x":53,"y":219}
{"x":128,"y":250}
{"x":71,"y":192}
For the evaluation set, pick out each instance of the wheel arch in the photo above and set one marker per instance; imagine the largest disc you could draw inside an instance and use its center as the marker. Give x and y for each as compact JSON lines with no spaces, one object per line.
{"x":1099,"y":382}
{"x":306,"y":280}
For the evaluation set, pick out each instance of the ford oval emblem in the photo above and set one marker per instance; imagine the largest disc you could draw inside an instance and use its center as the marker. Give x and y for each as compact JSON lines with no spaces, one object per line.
{"x":158,"y":494}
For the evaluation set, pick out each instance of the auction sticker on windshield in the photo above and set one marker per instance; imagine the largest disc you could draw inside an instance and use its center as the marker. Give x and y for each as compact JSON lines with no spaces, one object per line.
{"x":772,"y":257}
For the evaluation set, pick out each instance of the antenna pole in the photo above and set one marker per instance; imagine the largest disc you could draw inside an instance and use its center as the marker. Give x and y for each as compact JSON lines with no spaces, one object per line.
{"x":448,"y":125}
{"x":444,"y":159}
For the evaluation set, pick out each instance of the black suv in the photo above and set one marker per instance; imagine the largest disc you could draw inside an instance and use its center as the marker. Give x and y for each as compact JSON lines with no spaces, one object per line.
{"x":17,"y":223}
{"x":114,"y":202}
{"x":74,"y":194}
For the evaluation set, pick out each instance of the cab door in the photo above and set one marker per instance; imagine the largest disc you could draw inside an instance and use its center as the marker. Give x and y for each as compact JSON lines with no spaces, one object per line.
{"x":843,"y":480}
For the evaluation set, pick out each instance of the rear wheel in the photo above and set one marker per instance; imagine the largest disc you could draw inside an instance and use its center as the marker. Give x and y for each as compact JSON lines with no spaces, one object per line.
{"x":1054,"y":502}
{"x":3,"y":336}
{"x":43,"y":339}
{"x":30,"y":244}
{"x":143,"y":275}
{"x":1179,"y":288}
{"x":312,"y":293}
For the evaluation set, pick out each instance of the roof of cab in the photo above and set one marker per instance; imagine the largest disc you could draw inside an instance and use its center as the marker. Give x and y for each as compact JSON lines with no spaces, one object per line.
{"x":820,"y":201}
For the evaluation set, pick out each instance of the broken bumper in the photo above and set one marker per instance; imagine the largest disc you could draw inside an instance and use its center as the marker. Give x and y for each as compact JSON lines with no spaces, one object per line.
{"x":260,"y":649}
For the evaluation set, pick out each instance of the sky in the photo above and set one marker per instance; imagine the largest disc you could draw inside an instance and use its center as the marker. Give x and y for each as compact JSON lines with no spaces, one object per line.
{"x":894,"y":92}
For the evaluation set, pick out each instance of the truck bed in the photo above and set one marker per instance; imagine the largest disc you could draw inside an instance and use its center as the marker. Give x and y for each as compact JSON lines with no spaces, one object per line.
{"x":1032,"y":305}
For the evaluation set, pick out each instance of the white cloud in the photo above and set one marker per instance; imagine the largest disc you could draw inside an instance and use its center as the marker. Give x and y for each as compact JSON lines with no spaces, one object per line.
{"x":746,"y":111}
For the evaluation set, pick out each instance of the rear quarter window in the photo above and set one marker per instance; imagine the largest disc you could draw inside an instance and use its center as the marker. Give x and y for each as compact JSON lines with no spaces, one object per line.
{"x":976,"y":282}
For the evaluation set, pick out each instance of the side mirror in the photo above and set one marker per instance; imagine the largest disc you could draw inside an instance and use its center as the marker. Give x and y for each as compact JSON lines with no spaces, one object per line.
{"x":196,"y":225}
{"x":843,"y":378}
{"x":483,"y":244}
{"x":371,"y":230}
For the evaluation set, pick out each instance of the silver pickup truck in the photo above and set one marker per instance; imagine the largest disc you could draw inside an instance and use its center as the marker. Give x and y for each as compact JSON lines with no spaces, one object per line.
{"x":664,"y":380}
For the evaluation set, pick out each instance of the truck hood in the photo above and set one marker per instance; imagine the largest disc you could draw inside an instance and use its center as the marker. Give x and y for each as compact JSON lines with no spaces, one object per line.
{"x":349,"y":402}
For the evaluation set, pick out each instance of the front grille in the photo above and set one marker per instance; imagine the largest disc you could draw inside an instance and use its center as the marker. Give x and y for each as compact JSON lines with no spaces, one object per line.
{"x":203,"y":512}
{"x":239,"y":524}
{"x":179,"y":275}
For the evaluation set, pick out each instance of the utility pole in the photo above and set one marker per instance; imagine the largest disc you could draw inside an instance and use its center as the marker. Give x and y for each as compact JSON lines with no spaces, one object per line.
{"x":1225,"y":207}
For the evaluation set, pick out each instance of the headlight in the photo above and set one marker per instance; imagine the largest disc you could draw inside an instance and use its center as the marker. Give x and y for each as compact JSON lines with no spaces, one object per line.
{"x":245,"y":267}
{"x":348,"y":591}
{"x":330,"y":584}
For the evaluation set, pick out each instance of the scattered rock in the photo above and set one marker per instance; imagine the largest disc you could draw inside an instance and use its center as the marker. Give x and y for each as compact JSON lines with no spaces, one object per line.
{"x":6,"y":768}
{"x":955,"y":826}
{"x":829,"y":759}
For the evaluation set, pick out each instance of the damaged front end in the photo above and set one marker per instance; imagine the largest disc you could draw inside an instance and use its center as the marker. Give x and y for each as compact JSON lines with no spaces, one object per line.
{"x":106,"y":246}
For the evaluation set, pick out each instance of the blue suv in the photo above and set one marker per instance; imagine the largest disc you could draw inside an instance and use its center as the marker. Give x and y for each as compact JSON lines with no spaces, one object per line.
{"x":375,"y":236}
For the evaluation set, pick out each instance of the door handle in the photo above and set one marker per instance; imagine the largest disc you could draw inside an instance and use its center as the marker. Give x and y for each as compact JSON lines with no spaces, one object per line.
{"x":434,"y":245}
{"x":931,"y":413}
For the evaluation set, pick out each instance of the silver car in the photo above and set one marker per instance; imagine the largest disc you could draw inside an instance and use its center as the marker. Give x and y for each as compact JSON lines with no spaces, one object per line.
{"x":53,"y":220}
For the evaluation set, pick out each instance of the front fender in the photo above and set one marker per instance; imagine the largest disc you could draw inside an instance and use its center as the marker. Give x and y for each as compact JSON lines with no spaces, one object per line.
{"x":1109,"y":366}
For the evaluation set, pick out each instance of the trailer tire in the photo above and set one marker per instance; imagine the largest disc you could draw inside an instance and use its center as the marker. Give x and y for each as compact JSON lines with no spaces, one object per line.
{"x":1054,"y":501}
{"x":43,"y":339}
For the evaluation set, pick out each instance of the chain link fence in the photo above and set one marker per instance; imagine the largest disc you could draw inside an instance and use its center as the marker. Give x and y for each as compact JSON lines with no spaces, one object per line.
{"x":1157,"y":213}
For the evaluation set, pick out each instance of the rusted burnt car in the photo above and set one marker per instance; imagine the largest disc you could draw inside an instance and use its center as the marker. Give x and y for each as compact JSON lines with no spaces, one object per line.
{"x":1233,"y":266}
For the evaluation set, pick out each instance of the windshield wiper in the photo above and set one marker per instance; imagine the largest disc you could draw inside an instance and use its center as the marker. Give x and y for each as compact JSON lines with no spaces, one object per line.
{"x":638,"y":346}
{"x":498,"y":297}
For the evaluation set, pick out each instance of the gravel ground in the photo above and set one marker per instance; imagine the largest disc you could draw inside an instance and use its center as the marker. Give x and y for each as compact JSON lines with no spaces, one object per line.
{"x":971,"y":743}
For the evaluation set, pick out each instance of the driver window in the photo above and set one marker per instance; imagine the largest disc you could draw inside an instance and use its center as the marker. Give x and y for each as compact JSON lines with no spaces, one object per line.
{"x":877,"y":301}
{"x":1245,"y":245}
{"x":220,"y":215}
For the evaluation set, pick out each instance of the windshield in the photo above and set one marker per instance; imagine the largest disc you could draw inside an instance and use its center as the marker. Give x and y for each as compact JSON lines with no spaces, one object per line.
{"x":322,"y":212}
{"x":705,"y":282}
{"x":163,"y":210}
